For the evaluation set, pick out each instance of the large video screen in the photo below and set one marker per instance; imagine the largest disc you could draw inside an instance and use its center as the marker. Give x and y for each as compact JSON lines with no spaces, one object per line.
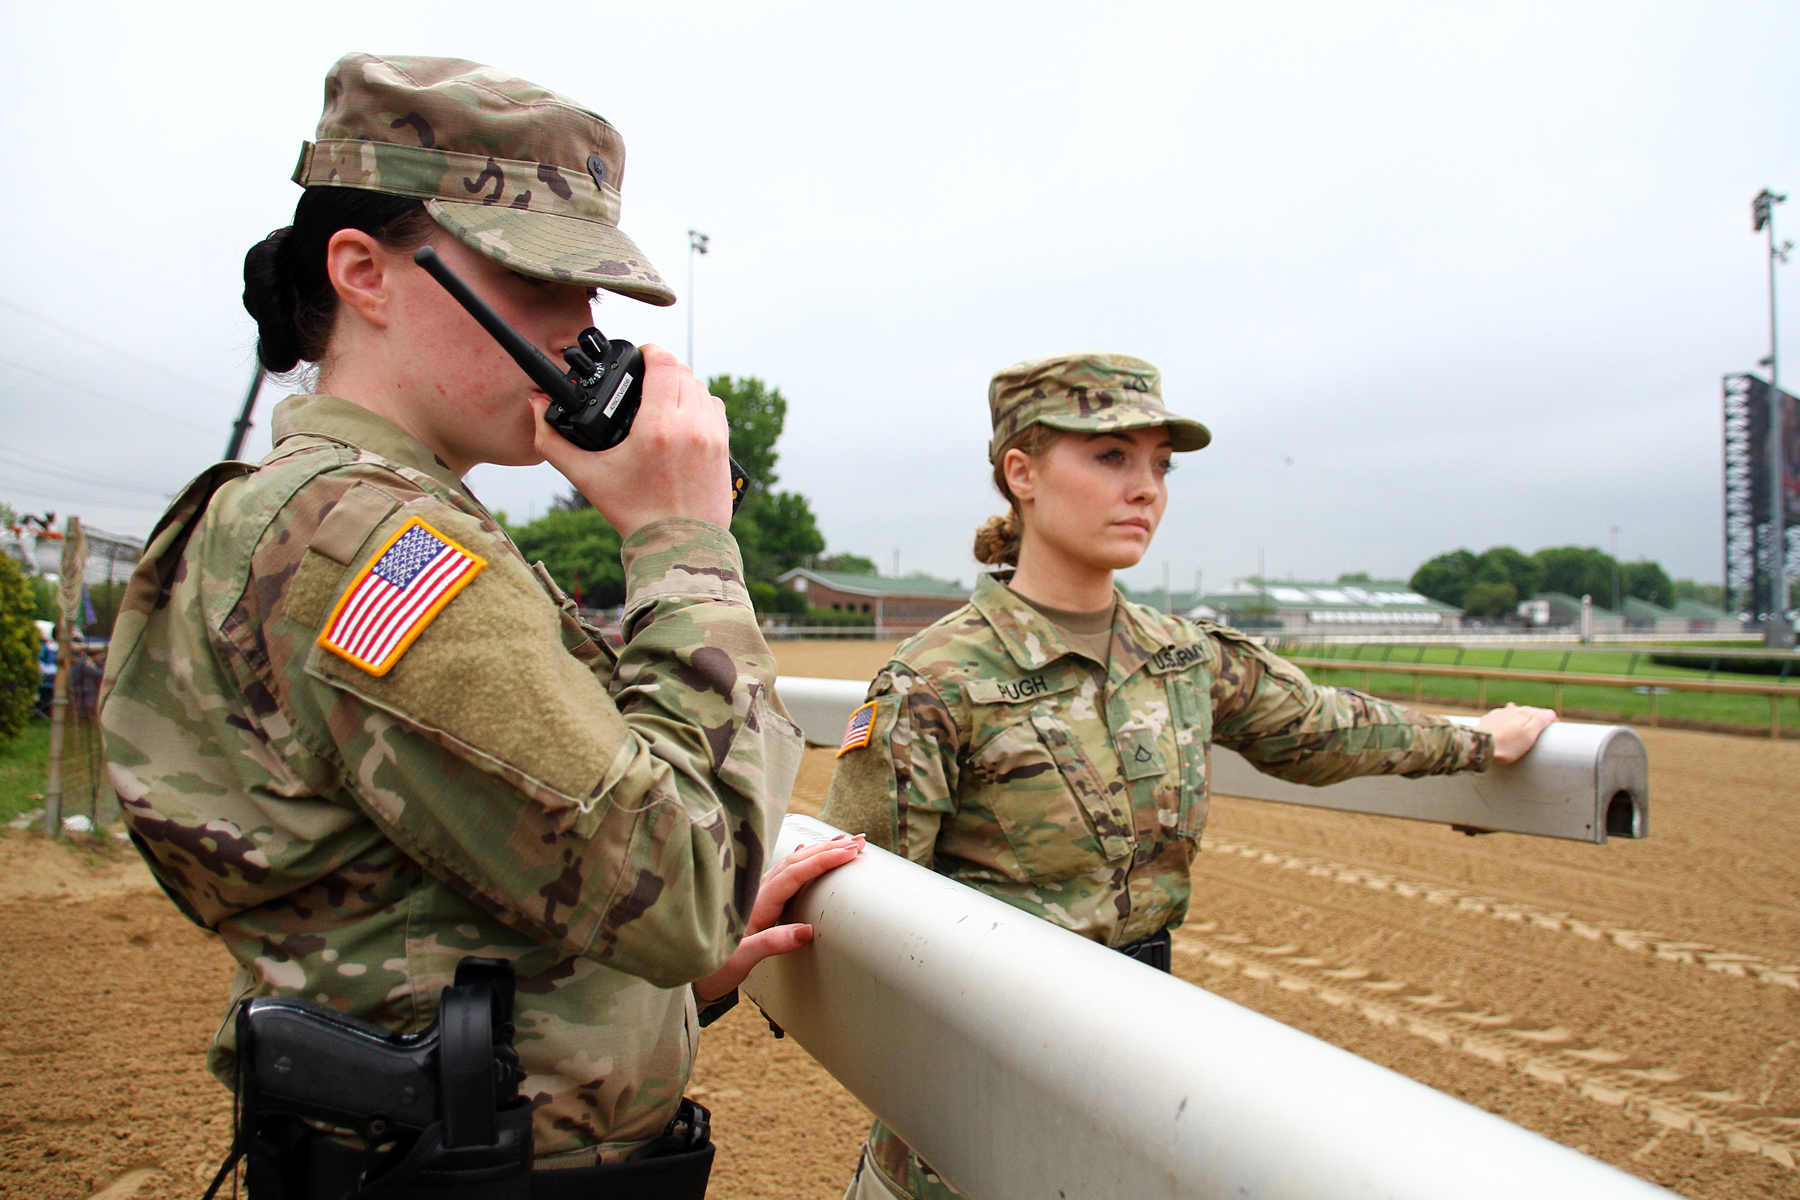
{"x":1790,"y":451}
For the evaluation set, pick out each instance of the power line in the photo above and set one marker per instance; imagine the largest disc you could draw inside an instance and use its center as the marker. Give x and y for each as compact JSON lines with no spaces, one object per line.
{"x":211,"y":389}
{"x":85,"y":477}
{"x":34,"y":489}
{"x":34,"y":458}
{"x":149,"y":412}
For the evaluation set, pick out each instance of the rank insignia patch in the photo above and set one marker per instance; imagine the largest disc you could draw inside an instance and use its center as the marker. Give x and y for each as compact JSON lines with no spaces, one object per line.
{"x":861,"y":727}
{"x":395,"y":597}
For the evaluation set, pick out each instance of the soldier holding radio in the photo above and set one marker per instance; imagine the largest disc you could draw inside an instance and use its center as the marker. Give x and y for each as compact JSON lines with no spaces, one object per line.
{"x":356,"y":734}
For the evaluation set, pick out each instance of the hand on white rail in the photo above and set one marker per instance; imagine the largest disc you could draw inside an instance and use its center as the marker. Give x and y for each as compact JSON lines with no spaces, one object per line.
{"x":1515,"y":730}
{"x":763,"y":938}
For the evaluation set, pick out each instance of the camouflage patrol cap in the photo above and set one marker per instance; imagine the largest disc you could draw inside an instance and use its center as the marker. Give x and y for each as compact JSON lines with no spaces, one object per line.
{"x":515,"y":171}
{"x":1085,"y":392}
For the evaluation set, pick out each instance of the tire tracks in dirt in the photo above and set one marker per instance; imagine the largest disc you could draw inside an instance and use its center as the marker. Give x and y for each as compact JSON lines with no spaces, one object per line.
{"x":1697,"y":954}
{"x":1536,"y":1047}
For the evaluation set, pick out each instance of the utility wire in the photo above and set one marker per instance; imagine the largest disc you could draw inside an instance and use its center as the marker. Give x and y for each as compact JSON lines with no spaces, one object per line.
{"x":89,"y":478}
{"x":34,"y":459}
{"x":35,"y":489}
{"x":149,"y":412}
{"x":210,"y":389}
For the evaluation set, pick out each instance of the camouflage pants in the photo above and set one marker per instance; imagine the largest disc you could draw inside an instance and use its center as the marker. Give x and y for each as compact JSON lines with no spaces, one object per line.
{"x":889,"y":1170}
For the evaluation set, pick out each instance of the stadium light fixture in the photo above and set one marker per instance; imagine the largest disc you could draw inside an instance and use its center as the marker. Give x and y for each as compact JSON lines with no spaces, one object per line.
{"x":697,"y":242}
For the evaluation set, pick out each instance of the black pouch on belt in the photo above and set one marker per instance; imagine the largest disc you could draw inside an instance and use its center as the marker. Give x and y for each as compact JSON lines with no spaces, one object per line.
{"x":673,"y":1167}
{"x":1152,"y":951}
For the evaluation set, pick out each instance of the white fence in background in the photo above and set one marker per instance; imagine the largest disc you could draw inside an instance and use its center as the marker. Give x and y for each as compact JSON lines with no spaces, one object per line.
{"x":1581,"y":782}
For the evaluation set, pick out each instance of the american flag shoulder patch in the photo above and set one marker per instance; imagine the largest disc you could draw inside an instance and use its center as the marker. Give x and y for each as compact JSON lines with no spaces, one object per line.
{"x":391,"y":601}
{"x":860,"y":729}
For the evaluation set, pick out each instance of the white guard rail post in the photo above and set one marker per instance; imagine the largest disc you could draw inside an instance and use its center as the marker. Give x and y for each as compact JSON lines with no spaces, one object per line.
{"x":1582,"y":782}
{"x":1025,"y":1063}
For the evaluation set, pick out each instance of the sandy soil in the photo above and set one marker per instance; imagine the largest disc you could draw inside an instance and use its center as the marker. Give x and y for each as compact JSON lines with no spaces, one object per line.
{"x":1639,"y":1001}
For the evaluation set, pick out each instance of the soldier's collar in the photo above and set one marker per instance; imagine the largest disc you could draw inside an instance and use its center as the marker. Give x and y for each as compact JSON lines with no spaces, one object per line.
{"x":1139,"y":635}
{"x":352,"y":424}
{"x":1026,"y":633}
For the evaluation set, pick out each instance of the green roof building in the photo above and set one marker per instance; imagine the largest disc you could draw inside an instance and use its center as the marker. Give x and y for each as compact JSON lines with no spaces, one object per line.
{"x":900,"y":605}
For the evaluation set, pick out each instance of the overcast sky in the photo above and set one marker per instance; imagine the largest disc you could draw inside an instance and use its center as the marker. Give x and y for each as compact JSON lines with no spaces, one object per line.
{"x":1435,"y":275}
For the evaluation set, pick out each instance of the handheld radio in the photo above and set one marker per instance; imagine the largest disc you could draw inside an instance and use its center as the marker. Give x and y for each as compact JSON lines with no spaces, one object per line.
{"x":594,"y":401}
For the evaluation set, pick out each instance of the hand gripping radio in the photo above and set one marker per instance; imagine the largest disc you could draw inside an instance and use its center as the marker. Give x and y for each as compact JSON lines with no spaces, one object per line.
{"x":594,"y":402}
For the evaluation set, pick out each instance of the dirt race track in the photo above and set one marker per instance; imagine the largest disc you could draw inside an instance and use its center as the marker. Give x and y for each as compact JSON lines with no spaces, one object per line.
{"x":1639,"y":1001}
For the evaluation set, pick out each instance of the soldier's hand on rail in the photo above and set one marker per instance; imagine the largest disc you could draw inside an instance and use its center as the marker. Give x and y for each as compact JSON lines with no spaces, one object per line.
{"x":1515,"y":730}
{"x":763,"y":938}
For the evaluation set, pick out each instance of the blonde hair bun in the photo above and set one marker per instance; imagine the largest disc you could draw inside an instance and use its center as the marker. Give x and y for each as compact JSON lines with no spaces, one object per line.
{"x":997,"y":541}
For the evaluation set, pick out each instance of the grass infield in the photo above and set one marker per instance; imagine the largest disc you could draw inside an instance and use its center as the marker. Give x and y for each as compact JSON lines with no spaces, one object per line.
{"x":25,"y":761}
{"x":1386,"y":669}
{"x":22,"y":764}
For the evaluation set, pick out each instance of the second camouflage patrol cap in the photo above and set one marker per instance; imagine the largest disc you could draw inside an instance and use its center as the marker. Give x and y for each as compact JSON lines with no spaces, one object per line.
{"x":525,"y":176}
{"x":1089,"y":391}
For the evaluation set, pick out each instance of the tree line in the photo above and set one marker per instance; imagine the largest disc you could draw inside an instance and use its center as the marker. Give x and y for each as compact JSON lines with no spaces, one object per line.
{"x":775,"y":530}
{"x":1492,"y":583}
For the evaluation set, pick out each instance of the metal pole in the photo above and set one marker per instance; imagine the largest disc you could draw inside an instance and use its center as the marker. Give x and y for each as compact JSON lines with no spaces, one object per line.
{"x":1778,"y":631}
{"x":241,"y":426}
{"x":59,"y":713}
{"x":68,"y":595}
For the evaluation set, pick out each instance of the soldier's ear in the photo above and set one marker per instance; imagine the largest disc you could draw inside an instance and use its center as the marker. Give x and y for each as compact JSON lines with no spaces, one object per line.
{"x":1021,"y":474}
{"x":361,"y":274}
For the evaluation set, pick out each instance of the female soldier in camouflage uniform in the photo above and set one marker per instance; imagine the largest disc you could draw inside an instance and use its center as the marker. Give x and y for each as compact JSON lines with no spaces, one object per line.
{"x":357,"y":734}
{"x":1047,"y":742}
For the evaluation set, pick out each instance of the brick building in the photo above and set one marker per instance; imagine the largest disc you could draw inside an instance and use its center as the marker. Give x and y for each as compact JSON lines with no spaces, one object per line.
{"x":901,"y":605}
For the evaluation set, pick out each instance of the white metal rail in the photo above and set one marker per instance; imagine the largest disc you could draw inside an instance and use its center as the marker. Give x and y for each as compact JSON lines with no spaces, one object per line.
{"x":1025,"y":1062}
{"x":1581,"y":782}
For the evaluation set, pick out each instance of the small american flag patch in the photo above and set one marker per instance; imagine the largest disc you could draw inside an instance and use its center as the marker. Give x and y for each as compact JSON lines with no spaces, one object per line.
{"x":857,"y":733}
{"x":396,"y":596}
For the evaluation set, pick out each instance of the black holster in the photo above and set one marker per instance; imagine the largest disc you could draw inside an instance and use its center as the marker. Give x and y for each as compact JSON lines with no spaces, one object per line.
{"x":438,"y":1113}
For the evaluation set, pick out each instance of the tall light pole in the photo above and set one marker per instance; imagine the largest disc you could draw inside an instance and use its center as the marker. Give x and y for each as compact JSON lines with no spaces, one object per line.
{"x":240,"y":427}
{"x":696,"y":245}
{"x":1778,"y":631}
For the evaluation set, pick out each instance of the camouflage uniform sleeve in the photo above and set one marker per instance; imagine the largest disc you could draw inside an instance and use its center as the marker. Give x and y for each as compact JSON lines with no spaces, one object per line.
{"x":630,"y":828}
{"x":898,"y":788}
{"x":1266,"y":709}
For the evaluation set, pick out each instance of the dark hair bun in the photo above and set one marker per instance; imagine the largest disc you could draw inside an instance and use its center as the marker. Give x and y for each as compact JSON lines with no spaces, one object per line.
{"x":286,"y":286}
{"x":269,"y":298}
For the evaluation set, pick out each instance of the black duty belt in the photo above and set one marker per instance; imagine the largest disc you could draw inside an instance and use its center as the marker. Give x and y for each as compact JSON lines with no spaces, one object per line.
{"x":1152,"y":951}
{"x":673,"y":1167}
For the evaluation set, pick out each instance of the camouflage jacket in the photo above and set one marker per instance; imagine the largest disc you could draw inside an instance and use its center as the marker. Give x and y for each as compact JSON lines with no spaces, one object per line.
{"x":508,"y":786}
{"x":1001,"y":757}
